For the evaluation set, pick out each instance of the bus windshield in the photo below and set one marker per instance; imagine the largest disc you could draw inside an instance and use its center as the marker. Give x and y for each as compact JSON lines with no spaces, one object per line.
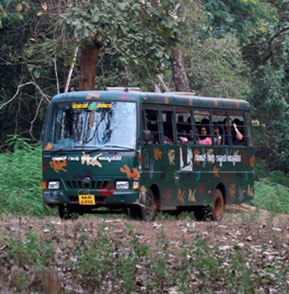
{"x":91,"y":125}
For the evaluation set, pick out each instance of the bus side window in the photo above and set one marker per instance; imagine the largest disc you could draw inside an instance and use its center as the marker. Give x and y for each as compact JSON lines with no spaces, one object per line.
{"x":220,"y":134}
{"x":151,"y":133}
{"x":247,"y":129}
{"x":167,"y":117}
{"x":238,"y":130}
{"x":203,"y":127}
{"x":184,"y":125}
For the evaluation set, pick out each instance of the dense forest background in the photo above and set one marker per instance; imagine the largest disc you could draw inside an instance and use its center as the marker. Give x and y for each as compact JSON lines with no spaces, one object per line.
{"x":217,"y":48}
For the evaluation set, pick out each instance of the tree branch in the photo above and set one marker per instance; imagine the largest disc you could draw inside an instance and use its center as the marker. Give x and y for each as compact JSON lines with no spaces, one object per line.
{"x":160,"y":86}
{"x":71,"y":70}
{"x":56,"y":75}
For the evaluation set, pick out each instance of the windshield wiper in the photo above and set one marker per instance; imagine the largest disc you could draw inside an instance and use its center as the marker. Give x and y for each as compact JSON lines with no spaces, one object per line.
{"x":101,"y":148}
{"x":56,"y":150}
{"x":121,"y":147}
{"x":105,"y":147}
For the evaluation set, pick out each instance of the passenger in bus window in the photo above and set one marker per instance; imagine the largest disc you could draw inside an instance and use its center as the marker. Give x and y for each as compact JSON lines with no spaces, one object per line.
{"x":204,"y":138}
{"x":183,"y":140}
{"x":190,"y":137}
{"x":148,"y":137}
{"x":168,"y":140}
{"x":217,"y":138}
{"x":237,"y":136}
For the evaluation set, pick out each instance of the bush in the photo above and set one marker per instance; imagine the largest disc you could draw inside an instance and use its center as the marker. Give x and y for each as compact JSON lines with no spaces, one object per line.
{"x":271,"y":196}
{"x":278,"y":177}
{"x":20,"y":181}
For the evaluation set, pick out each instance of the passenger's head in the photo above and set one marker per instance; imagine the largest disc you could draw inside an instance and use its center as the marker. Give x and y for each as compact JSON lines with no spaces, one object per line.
{"x":190,"y":134}
{"x":203,"y":131}
{"x":227,"y":122}
{"x":216,"y":130}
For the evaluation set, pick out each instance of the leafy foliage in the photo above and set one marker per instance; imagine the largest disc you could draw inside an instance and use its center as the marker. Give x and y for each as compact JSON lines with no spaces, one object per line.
{"x":272,"y":196}
{"x":242,"y":17}
{"x":20,"y":181}
{"x":140,"y":31}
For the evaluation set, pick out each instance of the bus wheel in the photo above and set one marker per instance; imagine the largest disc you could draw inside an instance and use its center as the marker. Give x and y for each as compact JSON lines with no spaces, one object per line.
{"x":149,"y":211}
{"x":66,"y":212}
{"x":219,"y":205}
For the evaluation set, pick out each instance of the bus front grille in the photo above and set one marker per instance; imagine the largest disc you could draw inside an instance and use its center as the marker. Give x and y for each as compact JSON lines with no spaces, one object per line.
{"x":77,"y":184}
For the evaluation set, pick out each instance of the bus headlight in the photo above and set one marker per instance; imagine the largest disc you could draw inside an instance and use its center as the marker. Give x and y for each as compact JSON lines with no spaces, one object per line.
{"x":122,"y":185}
{"x":53,"y":185}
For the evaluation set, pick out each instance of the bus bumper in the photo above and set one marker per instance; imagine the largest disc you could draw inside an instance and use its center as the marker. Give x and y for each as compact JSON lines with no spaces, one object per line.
{"x":53,"y":198}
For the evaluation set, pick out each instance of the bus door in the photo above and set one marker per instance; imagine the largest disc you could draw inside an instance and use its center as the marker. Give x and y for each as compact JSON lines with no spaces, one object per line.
{"x":161,"y":154}
{"x":186,"y":139}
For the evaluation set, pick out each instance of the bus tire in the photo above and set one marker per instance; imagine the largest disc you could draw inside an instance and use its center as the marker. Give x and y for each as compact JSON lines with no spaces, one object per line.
{"x":219,"y":206}
{"x":149,"y":211}
{"x":213,"y":212}
{"x":66,"y":212}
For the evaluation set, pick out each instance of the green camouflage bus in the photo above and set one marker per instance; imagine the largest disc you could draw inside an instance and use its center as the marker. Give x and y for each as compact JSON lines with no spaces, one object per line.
{"x":146,"y":152}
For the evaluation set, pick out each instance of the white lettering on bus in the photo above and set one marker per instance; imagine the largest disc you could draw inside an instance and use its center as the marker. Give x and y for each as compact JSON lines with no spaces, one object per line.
{"x":59,"y":158}
{"x":73,"y":158}
{"x":189,"y":165}
{"x":221,"y":159}
{"x":111,"y":158}
{"x":234,"y":158}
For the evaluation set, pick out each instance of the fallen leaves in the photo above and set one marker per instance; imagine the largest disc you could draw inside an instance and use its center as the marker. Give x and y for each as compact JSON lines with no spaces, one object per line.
{"x":160,"y":256}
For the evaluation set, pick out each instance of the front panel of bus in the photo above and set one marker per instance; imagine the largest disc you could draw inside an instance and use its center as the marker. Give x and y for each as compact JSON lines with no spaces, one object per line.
{"x":90,"y":151}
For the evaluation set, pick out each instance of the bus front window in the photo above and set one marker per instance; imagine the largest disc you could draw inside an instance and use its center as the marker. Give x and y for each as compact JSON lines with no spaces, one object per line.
{"x":91,"y":125}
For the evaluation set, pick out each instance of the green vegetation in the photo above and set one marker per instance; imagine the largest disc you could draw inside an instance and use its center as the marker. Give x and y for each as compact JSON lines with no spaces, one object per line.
{"x":123,"y":264}
{"x":271,"y":196}
{"x":21,"y":178}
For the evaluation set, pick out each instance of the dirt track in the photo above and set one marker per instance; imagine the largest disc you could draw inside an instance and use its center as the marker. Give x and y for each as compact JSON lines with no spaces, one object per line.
{"x":240,"y":226}
{"x":241,"y":230}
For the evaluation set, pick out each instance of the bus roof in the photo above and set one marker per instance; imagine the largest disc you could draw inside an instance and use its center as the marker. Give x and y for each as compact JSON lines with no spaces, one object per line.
{"x":156,"y":98}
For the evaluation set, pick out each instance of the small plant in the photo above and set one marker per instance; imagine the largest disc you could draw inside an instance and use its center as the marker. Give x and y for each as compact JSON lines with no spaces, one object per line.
{"x":25,"y":261}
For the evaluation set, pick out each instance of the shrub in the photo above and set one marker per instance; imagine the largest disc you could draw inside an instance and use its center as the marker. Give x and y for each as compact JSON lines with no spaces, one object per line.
{"x":20,"y":181}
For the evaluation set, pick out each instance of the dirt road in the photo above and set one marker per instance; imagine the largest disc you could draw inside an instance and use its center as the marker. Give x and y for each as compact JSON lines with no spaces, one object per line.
{"x":238,"y":227}
{"x":255,"y":235}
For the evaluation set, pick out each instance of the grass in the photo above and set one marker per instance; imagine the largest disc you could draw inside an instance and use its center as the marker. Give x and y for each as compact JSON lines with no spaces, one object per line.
{"x":21,"y":178}
{"x":271,"y":196}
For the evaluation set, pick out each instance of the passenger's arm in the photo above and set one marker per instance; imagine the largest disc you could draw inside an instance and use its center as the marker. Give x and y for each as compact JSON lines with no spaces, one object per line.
{"x":239,"y":135}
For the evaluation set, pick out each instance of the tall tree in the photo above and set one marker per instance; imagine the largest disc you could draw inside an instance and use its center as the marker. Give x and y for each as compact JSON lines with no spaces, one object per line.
{"x":142,"y":32}
{"x":268,"y":57}
{"x":39,"y":40}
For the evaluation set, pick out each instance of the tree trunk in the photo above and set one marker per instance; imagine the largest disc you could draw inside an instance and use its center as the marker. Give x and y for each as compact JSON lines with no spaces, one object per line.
{"x":88,"y":59}
{"x":179,"y":73}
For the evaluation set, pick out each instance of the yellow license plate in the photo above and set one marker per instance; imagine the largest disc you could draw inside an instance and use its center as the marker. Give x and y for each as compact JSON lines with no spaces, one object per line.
{"x":86,"y":199}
